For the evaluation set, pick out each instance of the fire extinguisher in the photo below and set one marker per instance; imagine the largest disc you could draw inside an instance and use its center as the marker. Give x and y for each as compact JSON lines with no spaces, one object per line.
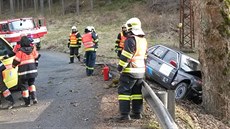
{"x":106,"y":73}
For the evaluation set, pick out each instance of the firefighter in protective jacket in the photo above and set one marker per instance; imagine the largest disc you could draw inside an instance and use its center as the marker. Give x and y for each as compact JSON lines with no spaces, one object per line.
{"x":132,"y":69}
{"x":3,"y":88}
{"x":90,"y":42}
{"x":26,"y":58}
{"x":119,"y":44}
{"x":74,"y":44}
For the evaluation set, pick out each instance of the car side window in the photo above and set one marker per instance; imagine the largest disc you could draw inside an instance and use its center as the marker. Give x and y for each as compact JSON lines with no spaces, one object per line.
{"x":5,"y":50}
{"x":170,"y":56}
{"x":159,"y":52}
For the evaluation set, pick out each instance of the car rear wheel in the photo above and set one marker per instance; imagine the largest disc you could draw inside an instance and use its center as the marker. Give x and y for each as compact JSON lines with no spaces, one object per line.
{"x":181,"y":90}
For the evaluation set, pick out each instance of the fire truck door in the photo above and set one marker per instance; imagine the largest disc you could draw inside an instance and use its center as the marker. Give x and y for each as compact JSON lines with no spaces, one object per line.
{"x":41,"y":25}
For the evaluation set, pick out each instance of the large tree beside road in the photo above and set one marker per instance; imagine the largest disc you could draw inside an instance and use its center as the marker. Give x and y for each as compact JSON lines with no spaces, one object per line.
{"x":213,"y":27}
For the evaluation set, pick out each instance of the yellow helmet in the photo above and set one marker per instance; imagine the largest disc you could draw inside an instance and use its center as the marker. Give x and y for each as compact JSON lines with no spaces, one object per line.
{"x":134,"y":25}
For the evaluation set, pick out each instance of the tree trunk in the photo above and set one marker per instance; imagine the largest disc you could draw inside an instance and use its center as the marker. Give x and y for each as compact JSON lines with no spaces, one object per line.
{"x":77,"y":7}
{"x":22,"y":5}
{"x":63,"y":7}
{"x":42,"y":7}
{"x":214,"y":54}
{"x":50,"y":5}
{"x":18,"y":4}
{"x":1,"y":6}
{"x":35,"y":6}
{"x":91,"y":4}
{"x":109,"y":1}
{"x":12,"y":7}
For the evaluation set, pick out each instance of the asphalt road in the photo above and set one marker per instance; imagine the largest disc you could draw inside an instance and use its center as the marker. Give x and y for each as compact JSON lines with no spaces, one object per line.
{"x":67,"y":98}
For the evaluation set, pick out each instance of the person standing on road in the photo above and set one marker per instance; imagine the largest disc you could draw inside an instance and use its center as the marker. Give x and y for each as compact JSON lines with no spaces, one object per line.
{"x":119,"y":44}
{"x":132,"y":69}
{"x":26,"y":58}
{"x":4,"y":89}
{"x":90,"y":42}
{"x":74,"y":44}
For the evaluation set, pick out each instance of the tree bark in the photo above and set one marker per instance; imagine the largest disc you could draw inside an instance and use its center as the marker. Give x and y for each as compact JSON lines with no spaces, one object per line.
{"x":214,"y":53}
{"x":50,"y":5}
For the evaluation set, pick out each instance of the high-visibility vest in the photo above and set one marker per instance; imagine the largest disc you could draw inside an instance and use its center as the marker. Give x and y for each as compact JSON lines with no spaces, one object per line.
{"x":137,"y":63}
{"x":73,"y":39}
{"x":87,"y":40}
{"x":122,"y":41}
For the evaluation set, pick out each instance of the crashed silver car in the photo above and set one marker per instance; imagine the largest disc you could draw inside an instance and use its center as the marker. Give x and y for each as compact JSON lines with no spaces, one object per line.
{"x":174,"y":70}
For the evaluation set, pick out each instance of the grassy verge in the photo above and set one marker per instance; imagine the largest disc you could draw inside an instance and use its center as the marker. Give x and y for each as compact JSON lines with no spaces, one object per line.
{"x":107,"y":21}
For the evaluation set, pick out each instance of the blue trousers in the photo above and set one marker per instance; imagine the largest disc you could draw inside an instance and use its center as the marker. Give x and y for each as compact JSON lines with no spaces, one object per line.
{"x":90,"y":62}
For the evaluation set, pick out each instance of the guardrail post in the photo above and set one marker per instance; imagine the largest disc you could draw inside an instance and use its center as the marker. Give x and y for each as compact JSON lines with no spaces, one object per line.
{"x":163,"y":116}
{"x":163,"y":96}
{"x":171,"y":103}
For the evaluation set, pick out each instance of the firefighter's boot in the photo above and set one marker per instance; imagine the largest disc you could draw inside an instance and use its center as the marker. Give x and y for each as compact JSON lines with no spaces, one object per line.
{"x":11,"y":101}
{"x":137,"y":107}
{"x":27,"y":101}
{"x":124,"y":107}
{"x":71,"y":60}
{"x":33,"y":97}
{"x":79,"y":59}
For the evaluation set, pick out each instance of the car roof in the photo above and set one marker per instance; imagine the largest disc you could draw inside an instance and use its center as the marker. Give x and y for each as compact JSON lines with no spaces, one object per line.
{"x":175,"y":50}
{"x":172,"y":49}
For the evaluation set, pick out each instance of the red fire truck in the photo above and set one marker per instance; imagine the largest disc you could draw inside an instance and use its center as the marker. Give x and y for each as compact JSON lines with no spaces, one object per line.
{"x":13,"y":29}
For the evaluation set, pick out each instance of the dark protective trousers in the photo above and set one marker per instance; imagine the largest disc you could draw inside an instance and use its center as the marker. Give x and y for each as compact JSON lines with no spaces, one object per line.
{"x":119,"y":53}
{"x":90,"y":62}
{"x":129,"y":92}
{"x":24,"y":85}
{"x":74,"y":51}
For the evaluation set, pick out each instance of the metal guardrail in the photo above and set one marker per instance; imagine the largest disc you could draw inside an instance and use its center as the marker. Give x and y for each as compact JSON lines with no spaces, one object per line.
{"x":165,"y":119}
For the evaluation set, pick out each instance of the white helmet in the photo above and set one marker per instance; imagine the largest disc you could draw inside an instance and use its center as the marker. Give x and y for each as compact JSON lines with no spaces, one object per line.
{"x":134,"y":25}
{"x":88,"y":29}
{"x":74,"y":28}
{"x":92,"y":29}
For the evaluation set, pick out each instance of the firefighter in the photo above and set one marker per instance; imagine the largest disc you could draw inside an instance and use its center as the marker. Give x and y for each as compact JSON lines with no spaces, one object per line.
{"x":74,"y":44}
{"x":119,"y":44}
{"x":132,"y":69}
{"x":4,"y":89}
{"x":26,"y":58}
{"x":90,"y":42}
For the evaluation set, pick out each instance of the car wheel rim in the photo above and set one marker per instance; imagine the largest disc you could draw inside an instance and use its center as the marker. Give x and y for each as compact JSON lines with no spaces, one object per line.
{"x":180,"y":91}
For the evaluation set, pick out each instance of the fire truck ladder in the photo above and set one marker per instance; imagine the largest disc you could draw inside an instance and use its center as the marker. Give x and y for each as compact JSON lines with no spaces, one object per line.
{"x":187,"y":41}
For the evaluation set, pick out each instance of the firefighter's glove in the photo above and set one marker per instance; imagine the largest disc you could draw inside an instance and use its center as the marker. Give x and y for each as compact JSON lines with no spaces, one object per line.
{"x":96,"y":45}
{"x":68,"y":45}
{"x":36,"y":63}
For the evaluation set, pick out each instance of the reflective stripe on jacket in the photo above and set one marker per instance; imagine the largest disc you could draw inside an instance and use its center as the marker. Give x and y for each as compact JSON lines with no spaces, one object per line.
{"x":137,"y":63}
